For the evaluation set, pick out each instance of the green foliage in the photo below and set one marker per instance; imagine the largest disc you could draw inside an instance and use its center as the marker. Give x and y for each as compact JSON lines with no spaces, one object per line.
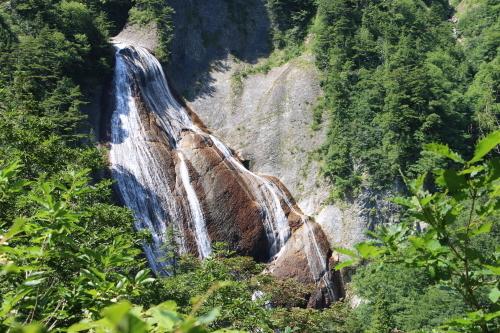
{"x":246,"y":300}
{"x":412,"y":301}
{"x":69,"y":271}
{"x":381,"y":321}
{"x":292,"y":18}
{"x":312,"y":321}
{"x":457,"y":217}
{"x":171,"y":249}
{"x":60,"y":267}
{"x":146,"y":12}
{"x":233,"y":299}
{"x":126,"y":318}
{"x":394,"y":78}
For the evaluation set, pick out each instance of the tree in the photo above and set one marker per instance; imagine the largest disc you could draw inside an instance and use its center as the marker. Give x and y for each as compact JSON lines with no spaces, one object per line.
{"x":171,"y":248}
{"x":461,"y":211}
{"x":381,"y":321}
{"x":53,"y":279}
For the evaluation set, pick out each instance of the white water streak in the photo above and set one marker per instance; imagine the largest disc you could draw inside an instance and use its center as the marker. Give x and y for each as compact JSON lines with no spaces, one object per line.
{"x":201,"y":234}
{"x":263,"y":192}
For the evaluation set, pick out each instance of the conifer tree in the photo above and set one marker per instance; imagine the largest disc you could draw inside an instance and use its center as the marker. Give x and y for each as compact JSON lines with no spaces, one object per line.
{"x":382,"y":321}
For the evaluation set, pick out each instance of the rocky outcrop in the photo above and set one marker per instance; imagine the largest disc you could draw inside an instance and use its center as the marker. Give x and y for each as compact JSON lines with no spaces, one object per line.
{"x":265,"y":117}
{"x":144,"y":36}
{"x":230,"y":213}
{"x":308,"y":247}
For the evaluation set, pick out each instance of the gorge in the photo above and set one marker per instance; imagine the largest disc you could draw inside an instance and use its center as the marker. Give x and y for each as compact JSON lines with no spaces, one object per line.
{"x":171,"y":172}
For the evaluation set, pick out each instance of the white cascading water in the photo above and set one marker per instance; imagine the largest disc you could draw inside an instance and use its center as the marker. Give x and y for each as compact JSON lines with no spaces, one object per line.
{"x":315,"y":260}
{"x":137,"y":169}
{"x":202,"y":241}
{"x":144,"y":186}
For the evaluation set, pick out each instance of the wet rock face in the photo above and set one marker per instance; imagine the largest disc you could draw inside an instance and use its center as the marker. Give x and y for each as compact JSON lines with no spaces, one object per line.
{"x":265,"y":118}
{"x":231,"y":214}
{"x":308,"y":247}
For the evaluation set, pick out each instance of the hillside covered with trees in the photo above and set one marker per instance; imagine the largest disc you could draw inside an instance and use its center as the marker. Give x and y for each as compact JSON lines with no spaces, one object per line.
{"x":395,"y":75}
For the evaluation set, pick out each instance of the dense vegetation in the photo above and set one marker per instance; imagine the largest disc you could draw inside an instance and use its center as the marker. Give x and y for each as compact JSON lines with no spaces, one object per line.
{"x":395,"y":77}
{"x":396,"y":74}
{"x":457,"y":251}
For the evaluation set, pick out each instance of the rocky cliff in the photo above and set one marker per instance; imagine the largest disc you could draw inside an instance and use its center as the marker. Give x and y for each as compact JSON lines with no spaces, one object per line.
{"x":265,"y":117}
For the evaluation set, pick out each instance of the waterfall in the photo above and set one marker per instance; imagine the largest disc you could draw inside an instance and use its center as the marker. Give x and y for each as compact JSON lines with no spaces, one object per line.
{"x":317,"y":265}
{"x":139,"y":171}
{"x":152,"y":173}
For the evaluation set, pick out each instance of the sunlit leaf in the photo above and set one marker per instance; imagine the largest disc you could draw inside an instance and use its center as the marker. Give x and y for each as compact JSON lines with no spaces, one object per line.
{"x":345,"y":264}
{"x":345,"y":251}
{"x":494,"y":295}
{"x":444,"y":151}
{"x":485,"y":145}
{"x":209,"y":317}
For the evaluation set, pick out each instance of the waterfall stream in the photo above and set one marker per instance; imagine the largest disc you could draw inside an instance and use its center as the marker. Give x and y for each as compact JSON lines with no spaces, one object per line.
{"x":161,"y":196}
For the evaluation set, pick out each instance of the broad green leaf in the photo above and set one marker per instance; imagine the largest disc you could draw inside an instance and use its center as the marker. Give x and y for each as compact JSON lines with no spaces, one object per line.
{"x":490,"y":316}
{"x":432,"y":271}
{"x":493,"y":169}
{"x":167,"y":305}
{"x":434,"y":245}
{"x":15,"y":229}
{"x":46,"y":188}
{"x":148,"y":280}
{"x":449,"y":179}
{"x":140,"y":275}
{"x":345,"y":264}
{"x":98,"y":273}
{"x":121,"y":283}
{"x":367,"y":251}
{"x":472,"y":170}
{"x":444,"y":151}
{"x":209,"y":317}
{"x":6,"y":307}
{"x":417,"y":242}
{"x":403,"y":201}
{"x":131,"y":324}
{"x":419,"y":183}
{"x":494,"y":269}
{"x":40,"y":200}
{"x":80,"y":327}
{"x":484,"y":227}
{"x":485,"y":145}
{"x":494,"y":295}
{"x":345,"y":251}
{"x":463,"y":321}
{"x":115,"y":313}
{"x":32,"y":328}
{"x":33,"y":282}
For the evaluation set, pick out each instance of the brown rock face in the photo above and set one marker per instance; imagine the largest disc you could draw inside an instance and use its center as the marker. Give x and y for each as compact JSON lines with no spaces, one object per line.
{"x":306,"y":258}
{"x":230,"y":213}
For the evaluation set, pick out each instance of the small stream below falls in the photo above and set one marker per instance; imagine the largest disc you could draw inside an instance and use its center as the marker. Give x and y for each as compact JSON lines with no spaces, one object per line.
{"x":154,"y":168}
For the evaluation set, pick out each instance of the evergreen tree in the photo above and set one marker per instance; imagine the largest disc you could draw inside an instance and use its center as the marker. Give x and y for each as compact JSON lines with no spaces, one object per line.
{"x":381,"y":321}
